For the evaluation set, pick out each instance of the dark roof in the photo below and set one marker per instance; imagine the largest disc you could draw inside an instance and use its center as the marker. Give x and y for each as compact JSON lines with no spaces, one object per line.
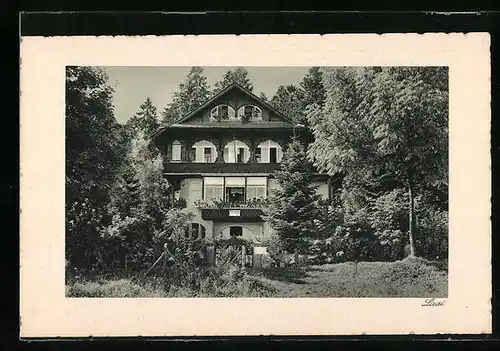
{"x":286,"y":123}
{"x":224,"y":91}
{"x":235,"y":125}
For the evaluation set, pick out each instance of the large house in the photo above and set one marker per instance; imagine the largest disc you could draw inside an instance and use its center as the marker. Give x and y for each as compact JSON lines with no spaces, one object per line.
{"x":220,"y":159}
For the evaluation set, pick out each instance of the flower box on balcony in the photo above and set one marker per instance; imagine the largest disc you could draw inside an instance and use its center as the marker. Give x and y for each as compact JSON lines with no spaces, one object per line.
{"x":232,"y":214}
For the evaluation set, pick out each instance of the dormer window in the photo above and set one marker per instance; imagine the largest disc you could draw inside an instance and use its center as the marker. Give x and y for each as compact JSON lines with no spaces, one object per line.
{"x":250,"y":112}
{"x":222,"y":113}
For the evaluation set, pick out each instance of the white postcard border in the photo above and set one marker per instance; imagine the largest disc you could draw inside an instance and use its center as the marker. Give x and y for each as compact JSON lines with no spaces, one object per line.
{"x":45,"y":312}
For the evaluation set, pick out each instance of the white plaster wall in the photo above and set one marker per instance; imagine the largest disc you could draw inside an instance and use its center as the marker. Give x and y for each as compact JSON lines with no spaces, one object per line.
{"x":251,"y":230}
{"x":191,"y":190}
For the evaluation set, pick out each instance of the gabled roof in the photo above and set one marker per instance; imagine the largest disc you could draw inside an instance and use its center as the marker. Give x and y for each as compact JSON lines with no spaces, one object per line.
{"x":236,"y":125}
{"x":230,"y":87}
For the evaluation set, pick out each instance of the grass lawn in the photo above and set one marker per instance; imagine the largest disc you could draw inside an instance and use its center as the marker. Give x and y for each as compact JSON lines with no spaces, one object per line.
{"x":407,"y":278}
{"x":412,"y":277}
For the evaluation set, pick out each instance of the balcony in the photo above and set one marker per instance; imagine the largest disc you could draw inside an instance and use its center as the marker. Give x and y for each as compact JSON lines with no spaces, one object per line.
{"x":232,"y":215}
{"x":217,"y":167}
{"x":250,"y":211}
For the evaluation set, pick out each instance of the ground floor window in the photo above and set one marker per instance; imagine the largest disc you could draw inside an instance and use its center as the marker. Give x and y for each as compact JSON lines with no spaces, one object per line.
{"x":235,"y":231}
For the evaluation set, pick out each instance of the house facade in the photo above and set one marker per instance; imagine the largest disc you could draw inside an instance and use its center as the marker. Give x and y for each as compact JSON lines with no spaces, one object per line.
{"x":220,"y":159}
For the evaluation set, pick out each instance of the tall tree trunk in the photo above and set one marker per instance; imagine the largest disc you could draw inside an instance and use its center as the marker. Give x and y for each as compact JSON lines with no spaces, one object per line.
{"x":411,"y":224}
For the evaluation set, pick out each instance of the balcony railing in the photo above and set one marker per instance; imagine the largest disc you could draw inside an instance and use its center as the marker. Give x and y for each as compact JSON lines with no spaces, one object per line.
{"x":232,"y":211}
{"x":217,"y":167}
{"x":221,"y":204}
{"x":232,"y":215}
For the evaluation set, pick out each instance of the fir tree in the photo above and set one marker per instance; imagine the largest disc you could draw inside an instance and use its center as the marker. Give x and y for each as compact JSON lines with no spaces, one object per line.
{"x":263,"y":97}
{"x":290,"y":101}
{"x":312,"y":85}
{"x":146,"y":120}
{"x":192,"y":93}
{"x":238,"y":75}
{"x":294,"y":207}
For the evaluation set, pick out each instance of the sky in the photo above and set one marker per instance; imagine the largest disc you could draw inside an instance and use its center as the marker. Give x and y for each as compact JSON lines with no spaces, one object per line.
{"x":134,"y":84}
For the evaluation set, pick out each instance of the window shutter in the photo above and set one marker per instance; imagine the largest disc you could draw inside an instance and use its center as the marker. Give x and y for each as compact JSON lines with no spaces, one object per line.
{"x":246,"y":155}
{"x":279,"y":155}
{"x":199,"y":154}
{"x":176,"y":151}
{"x":195,"y":189}
{"x":264,"y":154}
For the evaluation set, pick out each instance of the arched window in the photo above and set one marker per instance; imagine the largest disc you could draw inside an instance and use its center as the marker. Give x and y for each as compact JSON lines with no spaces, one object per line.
{"x":195,"y":231}
{"x":236,"y":152}
{"x":222,"y":113}
{"x":204,"y":152}
{"x":269,"y":152}
{"x":176,"y":151}
{"x":251,"y":112}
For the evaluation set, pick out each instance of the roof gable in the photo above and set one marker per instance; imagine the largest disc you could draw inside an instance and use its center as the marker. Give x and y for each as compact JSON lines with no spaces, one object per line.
{"x":232,"y":89}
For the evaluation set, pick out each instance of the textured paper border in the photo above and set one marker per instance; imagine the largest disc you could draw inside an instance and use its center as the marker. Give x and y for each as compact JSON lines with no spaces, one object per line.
{"x":45,"y":312}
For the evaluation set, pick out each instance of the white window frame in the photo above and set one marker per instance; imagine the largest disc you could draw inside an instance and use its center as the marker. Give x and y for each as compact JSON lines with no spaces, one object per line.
{"x":213,"y":183}
{"x":200,"y":147}
{"x":241,"y":112}
{"x":265,"y":152}
{"x":214,"y":113}
{"x":255,"y":185}
{"x":235,"y":145}
{"x":176,"y":146}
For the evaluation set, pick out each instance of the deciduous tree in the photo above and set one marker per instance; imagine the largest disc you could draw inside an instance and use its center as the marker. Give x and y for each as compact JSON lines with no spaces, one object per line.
{"x":384,"y":125}
{"x":139,"y":205}
{"x":94,"y":150}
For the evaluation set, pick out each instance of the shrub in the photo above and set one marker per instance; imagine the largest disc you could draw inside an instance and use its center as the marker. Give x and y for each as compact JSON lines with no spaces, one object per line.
{"x":111,"y":288}
{"x":389,"y":211}
{"x":180,"y":203}
{"x":275,"y":249}
{"x":432,"y":235}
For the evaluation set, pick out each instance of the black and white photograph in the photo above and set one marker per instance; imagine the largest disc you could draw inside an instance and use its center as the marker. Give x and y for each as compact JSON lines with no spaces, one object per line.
{"x":191,"y":186}
{"x":252,"y":181}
